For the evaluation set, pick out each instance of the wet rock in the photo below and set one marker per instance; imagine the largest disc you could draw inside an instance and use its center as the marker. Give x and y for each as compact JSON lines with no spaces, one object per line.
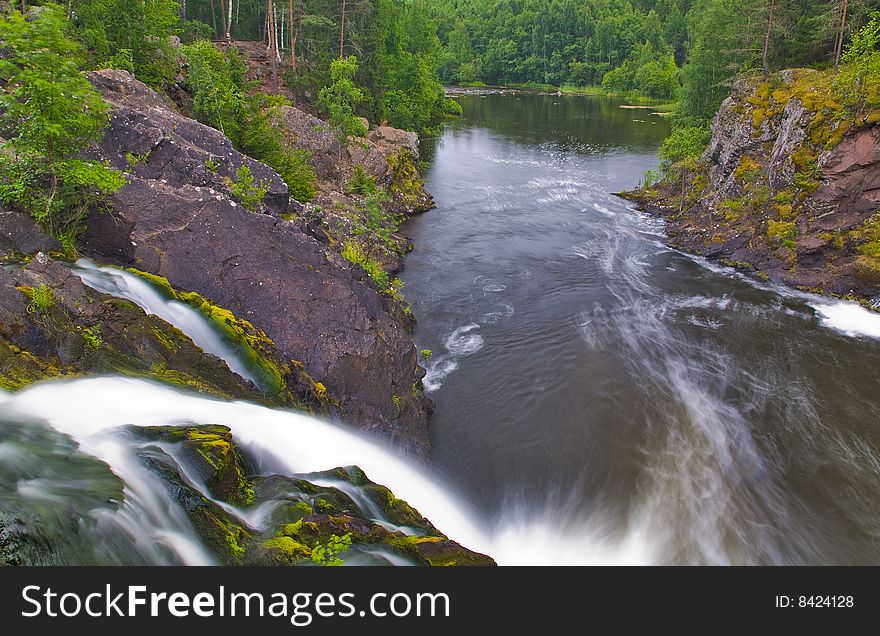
{"x":304,"y":515}
{"x":75,"y":330}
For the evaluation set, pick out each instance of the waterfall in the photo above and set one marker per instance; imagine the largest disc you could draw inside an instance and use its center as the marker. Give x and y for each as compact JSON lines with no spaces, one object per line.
{"x":123,"y":284}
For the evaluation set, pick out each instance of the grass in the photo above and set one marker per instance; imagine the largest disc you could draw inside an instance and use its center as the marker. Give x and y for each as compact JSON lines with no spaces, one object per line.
{"x":42,"y":299}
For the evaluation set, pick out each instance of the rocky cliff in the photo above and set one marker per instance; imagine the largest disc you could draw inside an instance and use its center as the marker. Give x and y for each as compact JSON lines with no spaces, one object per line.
{"x":788,"y":188}
{"x":339,"y":345}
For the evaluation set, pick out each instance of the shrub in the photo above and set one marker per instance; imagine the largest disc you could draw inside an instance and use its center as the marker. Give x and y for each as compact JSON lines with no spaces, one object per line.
{"x":361,"y":182}
{"x":54,"y":113}
{"x":217,"y":82}
{"x":246,"y":190}
{"x":42,"y":299}
{"x":683,"y":143}
{"x":355,"y":253}
{"x":340,"y":99}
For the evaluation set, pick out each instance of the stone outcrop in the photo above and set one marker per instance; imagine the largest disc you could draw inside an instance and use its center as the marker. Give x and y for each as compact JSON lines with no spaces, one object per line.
{"x":54,"y":326}
{"x":788,"y":188}
{"x":176,"y":218}
{"x":387,"y":155}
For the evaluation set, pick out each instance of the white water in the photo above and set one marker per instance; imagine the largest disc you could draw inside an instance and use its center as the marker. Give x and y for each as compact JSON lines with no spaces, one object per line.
{"x":92,"y":410}
{"x":123,"y":284}
{"x":849,"y":318}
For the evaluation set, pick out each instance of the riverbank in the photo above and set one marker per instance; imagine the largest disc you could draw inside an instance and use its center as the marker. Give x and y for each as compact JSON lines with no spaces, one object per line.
{"x":478,"y":88}
{"x":305,"y":291}
{"x":787,"y":188}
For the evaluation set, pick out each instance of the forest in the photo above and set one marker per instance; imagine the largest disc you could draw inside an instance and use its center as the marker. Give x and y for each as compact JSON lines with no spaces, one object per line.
{"x":665,"y":49}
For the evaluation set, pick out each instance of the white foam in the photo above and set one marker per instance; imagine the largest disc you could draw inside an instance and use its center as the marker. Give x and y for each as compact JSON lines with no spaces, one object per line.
{"x":849,"y":318}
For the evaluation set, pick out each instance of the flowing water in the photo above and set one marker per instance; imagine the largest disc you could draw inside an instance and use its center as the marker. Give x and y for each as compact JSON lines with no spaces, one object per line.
{"x":601,"y":399}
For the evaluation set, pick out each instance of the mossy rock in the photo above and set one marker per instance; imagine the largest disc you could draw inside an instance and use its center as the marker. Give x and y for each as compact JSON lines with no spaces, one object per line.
{"x":439,"y":551}
{"x":19,"y":368}
{"x":406,"y":187}
{"x":209,"y":451}
{"x":285,"y":384}
{"x":225,"y":536}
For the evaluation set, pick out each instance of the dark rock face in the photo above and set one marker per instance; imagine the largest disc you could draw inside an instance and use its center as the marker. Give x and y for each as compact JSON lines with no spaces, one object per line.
{"x":20,"y":235}
{"x":175,"y":218}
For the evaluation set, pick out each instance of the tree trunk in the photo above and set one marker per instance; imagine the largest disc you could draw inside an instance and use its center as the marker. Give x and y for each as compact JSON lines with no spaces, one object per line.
{"x":222,"y":33}
{"x":770,"y":16}
{"x":342,"y":32}
{"x":278,"y":42}
{"x":214,"y":17}
{"x":293,"y":34}
{"x":273,"y":45}
{"x":838,"y":46}
{"x":181,"y":10}
{"x":228,"y":33}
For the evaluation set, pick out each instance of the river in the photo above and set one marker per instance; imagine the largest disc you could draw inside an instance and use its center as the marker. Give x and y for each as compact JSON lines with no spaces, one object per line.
{"x":602,"y":398}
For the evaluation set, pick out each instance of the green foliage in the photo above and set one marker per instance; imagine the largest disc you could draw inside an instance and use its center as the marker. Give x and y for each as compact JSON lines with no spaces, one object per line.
{"x":133,"y":30}
{"x":683,"y":143}
{"x":340,"y":98}
{"x":42,"y":299}
{"x":246,"y":190}
{"x":192,"y":30}
{"x":626,"y":46}
{"x":134,"y":160}
{"x":216,"y":80}
{"x":53,"y":113}
{"x":328,"y":553}
{"x":858,"y":84}
{"x":361,"y":182}
{"x":295,"y":167}
{"x":92,"y":336}
{"x":355,"y":253}
{"x":426,"y":353}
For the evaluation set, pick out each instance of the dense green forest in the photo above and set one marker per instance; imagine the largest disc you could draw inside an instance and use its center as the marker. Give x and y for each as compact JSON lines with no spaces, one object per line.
{"x":690,"y":49}
{"x":394,"y":41}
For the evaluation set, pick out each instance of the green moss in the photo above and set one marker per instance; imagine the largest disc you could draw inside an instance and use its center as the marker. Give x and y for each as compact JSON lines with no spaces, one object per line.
{"x":782,"y":231}
{"x":168,"y":341}
{"x":867,"y":236}
{"x":19,"y":368}
{"x":92,"y":336}
{"x":736,"y":264}
{"x":747,"y":169}
{"x":254,"y":346}
{"x":289,"y":549}
{"x":406,"y":186}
